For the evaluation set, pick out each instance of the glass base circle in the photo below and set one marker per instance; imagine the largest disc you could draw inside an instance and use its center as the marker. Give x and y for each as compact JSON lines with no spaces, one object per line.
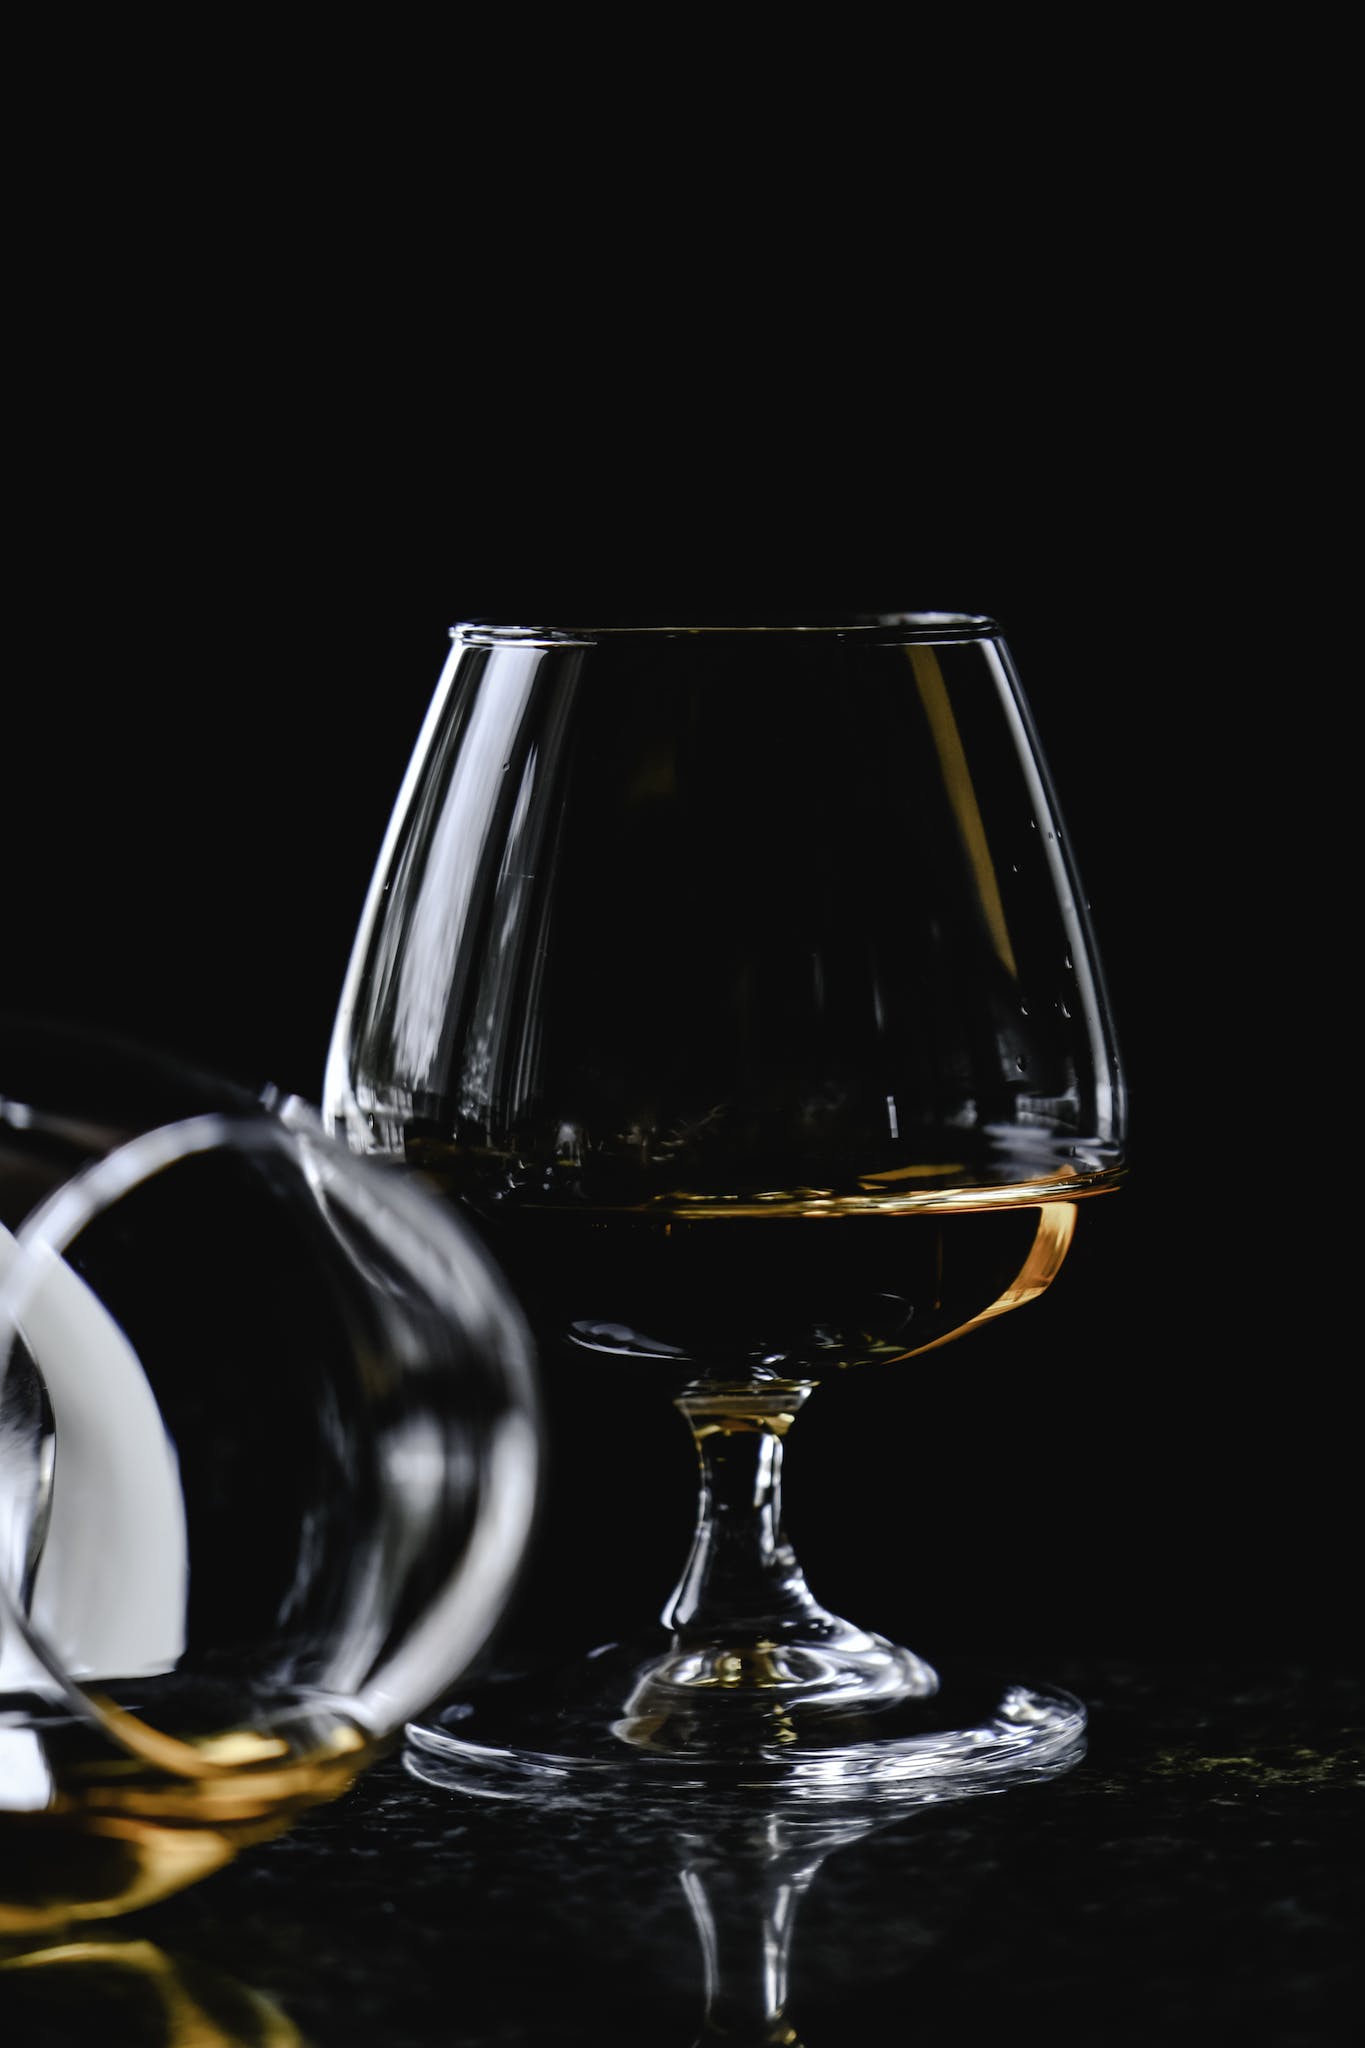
{"x":605,"y":1728}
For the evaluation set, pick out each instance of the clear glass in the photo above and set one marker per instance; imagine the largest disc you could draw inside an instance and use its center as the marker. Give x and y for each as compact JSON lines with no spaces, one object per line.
{"x":739,"y":983}
{"x":745,"y":1861}
{"x":269,"y":1443}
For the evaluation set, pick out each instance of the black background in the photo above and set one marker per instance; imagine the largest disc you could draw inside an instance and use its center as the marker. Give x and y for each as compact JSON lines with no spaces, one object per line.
{"x":313,"y":350}
{"x":230,"y":611}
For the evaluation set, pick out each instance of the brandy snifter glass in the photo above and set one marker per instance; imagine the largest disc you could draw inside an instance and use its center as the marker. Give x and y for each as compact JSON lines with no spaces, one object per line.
{"x":738,"y":981}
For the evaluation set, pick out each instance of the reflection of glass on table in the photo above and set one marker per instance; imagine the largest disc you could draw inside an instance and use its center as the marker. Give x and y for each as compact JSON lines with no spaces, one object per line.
{"x":134,"y":1993}
{"x":745,"y":1863}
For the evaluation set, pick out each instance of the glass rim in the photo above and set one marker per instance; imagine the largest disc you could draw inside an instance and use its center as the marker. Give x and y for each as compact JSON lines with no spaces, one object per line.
{"x":897,"y":627}
{"x":503,"y":1358}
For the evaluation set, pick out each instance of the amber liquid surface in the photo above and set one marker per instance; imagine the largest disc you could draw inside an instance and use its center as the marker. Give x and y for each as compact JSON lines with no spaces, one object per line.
{"x":113,"y":1834}
{"x":801,"y":1285}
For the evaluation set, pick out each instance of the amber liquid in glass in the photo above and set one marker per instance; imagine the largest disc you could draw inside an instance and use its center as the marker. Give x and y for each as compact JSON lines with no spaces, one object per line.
{"x":115,"y":1834}
{"x":792,"y":1286}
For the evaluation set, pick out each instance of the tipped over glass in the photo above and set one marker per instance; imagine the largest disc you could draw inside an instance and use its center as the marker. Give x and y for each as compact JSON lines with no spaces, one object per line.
{"x":269,"y":1441}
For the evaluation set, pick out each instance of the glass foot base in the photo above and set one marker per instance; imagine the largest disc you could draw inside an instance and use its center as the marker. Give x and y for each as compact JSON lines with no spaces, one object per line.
{"x":606,"y":1728}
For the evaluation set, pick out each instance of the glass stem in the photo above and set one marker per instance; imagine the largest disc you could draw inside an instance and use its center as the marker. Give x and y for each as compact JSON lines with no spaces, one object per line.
{"x":742,"y":1577}
{"x":745,"y":1914}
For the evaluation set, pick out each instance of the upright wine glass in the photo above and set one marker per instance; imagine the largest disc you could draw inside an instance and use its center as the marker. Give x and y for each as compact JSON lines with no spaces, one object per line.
{"x":738,"y":980}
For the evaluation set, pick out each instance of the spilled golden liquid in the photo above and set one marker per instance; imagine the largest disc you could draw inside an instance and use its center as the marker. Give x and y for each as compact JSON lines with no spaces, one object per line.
{"x":133,"y":1992}
{"x":116,"y":1836}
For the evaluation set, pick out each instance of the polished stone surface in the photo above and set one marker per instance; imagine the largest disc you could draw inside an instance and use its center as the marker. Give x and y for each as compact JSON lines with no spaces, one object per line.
{"x":1196,"y":1877}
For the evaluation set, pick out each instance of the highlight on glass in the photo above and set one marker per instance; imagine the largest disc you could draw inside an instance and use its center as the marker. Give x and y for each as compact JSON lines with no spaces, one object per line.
{"x":737,"y":982}
{"x":269,"y":1447}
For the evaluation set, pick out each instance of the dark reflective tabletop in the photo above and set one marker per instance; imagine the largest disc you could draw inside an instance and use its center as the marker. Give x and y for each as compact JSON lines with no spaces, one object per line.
{"x":1196,"y":1876}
